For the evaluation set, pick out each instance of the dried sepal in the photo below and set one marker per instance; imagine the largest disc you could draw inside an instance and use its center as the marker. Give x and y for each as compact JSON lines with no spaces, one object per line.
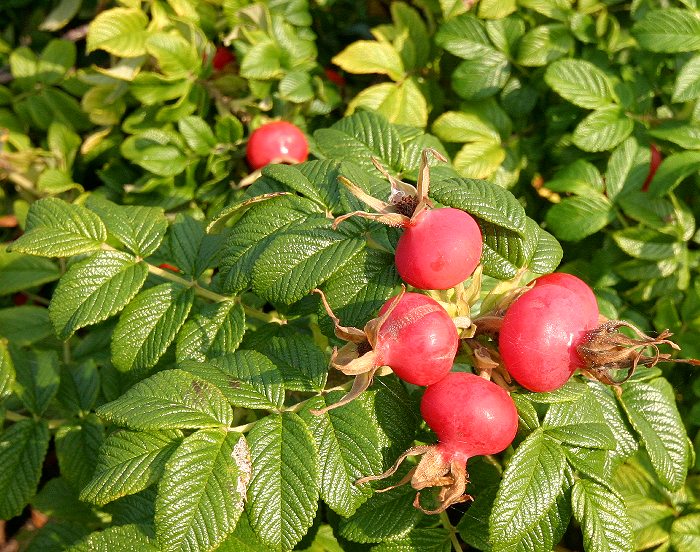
{"x":605,"y":351}
{"x":436,"y":468}
{"x":406,"y":201}
{"x":357,"y":357}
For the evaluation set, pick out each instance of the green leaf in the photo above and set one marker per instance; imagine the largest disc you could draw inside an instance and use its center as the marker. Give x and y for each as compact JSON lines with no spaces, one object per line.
{"x":360,"y":288}
{"x":198,"y":134}
{"x":419,"y":540}
{"x":603,"y":518}
{"x":687,"y":86}
{"x":57,"y":536}
{"x":580,"y":82}
{"x":22,"y":449}
{"x":505,"y":251}
{"x":645,"y":243}
{"x":18,"y":272}
{"x":128,"y":462}
{"x":56,"y":181}
{"x":57,"y":499}
{"x":627,"y":168}
{"x":668,"y":30}
{"x":214,"y":331}
{"x":25,"y":325}
{"x":672,"y":171}
{"x":37,"y":378}
{"x":653,"y":414}
{"x":251,"y":235}
{"x":603,"y":129}
{"x":297,"y":87}
{"x":55,"y":228}
{"x":574,"y":218}
{"x":149,"y":324}
{"x":263,"y":62}
{"x":7,"y":371}
{"x":173,"y":399}
{"x":625,"y":442}
{"x":301,"y":259}
{"x":548,"y":254}
{"x":482,"y":199}
{"x":584,"y":426}
{"x":175,"y":55}
{"x":359,"y":137}
{"x":130,"y":537}
{"x":191,"y":249}
{"x":544,"y":44}
{"x":554,"y":9}
{"x":478,"y":79}
{"x":201,"y":493}
{"x":686,"y":136}
{"x":247,"y":379}
{"x":94,"y":289}
{"x":479,"y":159}
{"x":348,"y":441}
{"x":76,"y":449}
{"x":60,"y":15}
{"x":464,"y":36}
{"x":401,"y":103}
{"x":283,"y":492}
{"x":243,"y":539}
{"x":384,"y":516}
{"x":580,"y":177}
{"x":56,"y":59}
{"x":303,"y":365}
{"x":153,"y":88}
{"x":685,"y":533}
{"x":458,"y":126}
{"x":119,"y":31}
{"x":155,"y":151}
{"x":369,"y":56}
{"x":141,"y":229}
{"x":526,"y":514}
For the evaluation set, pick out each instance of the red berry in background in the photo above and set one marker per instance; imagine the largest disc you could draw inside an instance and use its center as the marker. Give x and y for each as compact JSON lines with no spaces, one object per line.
{"x":222,"y":57}
{"x":654,"y":163}
{"x":540,"y":333}
{"x":470,"y":415}
{"x":439,"y":249}
{"x":335,"y":77}
{"x":418,"y":340}
{"x":276,"y":142}
{"x":572,"y":283}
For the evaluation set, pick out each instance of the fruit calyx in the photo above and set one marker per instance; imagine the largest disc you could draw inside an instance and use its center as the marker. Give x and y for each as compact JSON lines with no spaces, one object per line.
{"x":604,"y":351}
{"x":436,"y":468}
{"x":406,"y":202}
{"x":358,"y":356}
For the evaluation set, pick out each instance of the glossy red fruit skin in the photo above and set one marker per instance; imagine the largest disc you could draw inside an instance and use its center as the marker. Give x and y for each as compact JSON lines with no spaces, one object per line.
{"x":222,"y":57}
{"x":574,"y":284}
{"x":276,"y":140}
{"x":470,"y":415}
{"x":539,"y":336}
{"x":439,"y":249}
{"x":418,"y":340}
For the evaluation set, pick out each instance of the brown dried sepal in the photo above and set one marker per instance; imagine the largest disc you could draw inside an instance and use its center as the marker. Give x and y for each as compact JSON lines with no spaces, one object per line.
{"x":436,"y":468}
{"x":357,"y":357}
{"x":605,"y":351}
{"x":405,"y":201}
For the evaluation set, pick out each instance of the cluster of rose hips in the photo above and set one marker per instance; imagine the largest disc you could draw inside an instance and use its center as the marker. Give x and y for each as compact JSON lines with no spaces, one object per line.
{"x":539,"y":336}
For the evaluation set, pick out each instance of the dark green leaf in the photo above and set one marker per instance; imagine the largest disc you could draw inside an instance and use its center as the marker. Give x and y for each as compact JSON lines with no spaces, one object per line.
{"x":149,"y":324}
{"x":128,"y":462}
{"x":22,"y":449}
{"x":37,"y":376}
{"x":201,"y":493}
{"x":18,"y":272}
{"x":76,"y":449}
{"x":214,"y":331}
{"x":129,"y":538}
{"x":283,"y":493}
